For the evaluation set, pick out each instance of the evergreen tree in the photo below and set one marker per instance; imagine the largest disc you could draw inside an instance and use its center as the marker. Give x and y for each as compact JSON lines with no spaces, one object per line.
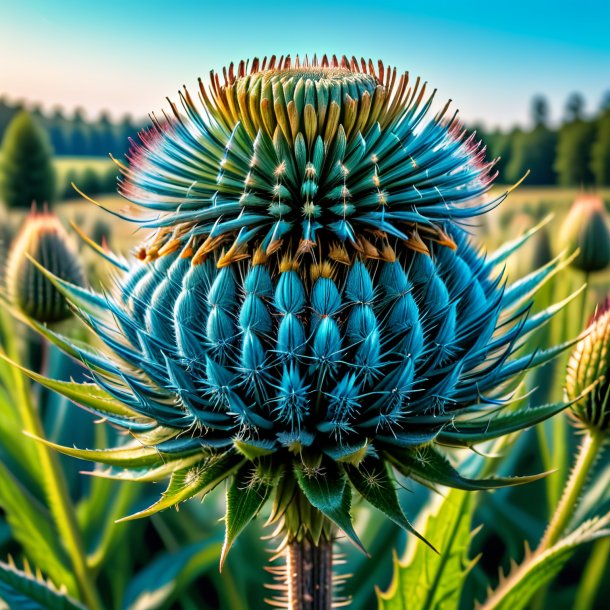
{"x":103,"y":137}
{"x":540,"y":110}
{"x":57,"y":131}
{"x":534,"y":151}
{"x":575,"y":106}
{"x":80,"y":141}
{"x":27,"y":174}
{"x":127,"y":130}
{"x":573,"y":160}
{"x":499,"y":147}
{"x":600,"y":150}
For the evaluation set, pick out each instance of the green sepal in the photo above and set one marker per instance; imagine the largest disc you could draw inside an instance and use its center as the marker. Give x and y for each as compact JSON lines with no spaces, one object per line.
{"x":478,"y":430}
{"x":20,"y":589}
{"x":200,"y":478}
{"x":246,"y":495}
{"x":430,"y":467}
{"x":373,"y":482}
{"x":250,"y":451}
{"x":285,"y":492}
{"x":327,"y":490}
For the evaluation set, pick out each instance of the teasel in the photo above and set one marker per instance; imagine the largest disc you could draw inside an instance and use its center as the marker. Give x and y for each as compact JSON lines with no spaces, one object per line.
{"x":589,"y":368}
{"x":587,"y":228}
{"x":42,"y":239}
{"x":309,"y":319}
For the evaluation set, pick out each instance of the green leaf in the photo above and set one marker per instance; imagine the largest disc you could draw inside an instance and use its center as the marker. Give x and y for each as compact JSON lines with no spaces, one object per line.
{"x":134,"y":455}
{"x":373,"y":482}
{"x":473,"y":431}
{"x":539,"y":569}
{"x":430,"y":467}
{"x":169,"y":575}
{"x":88,"y":395}
{"x":20,"y":590}
{"x":32,"y":527}
{"x":425,"y":580}
{"x":327,"y":489}
{"x":200,"y":478}
{"x":246,"y":496}
{"x":145,"y":474}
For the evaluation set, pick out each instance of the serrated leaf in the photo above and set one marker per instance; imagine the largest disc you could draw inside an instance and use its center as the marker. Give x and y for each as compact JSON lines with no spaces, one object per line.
{"x":425,"y":580}
{"x":32,"y":527}
{"x":246,"y":495}
{"x":169,"y":575}
{"x":22,"y":591}
{"x":128,"y":456}
{"x":432,"y":468}
{"x":200,"y":478}
{"x":88,"y":395}
{"x":473,"y":431}
{"x":539,"y":569}
{"x":327,"y":489}
{"x":372,"y":481}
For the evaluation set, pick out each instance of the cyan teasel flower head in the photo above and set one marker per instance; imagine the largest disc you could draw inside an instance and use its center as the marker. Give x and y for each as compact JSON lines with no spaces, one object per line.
{"x":589,"y":369}
{"x":308,"y":318}
{"x":43,"y":239}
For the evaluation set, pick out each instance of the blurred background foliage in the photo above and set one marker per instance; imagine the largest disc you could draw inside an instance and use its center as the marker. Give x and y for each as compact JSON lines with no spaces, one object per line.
{"x":171,"y":560}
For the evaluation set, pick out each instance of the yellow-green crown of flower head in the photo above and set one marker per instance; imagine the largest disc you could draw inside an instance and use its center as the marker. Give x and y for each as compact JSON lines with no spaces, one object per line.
{"x":589,"y":373}
{"x":291,"y":155}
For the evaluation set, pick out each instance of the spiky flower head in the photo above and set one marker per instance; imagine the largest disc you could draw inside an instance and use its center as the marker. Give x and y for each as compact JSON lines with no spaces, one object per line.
{"x":308,"y":316}
{"x":43,"y":239}
{"x":589,"y":369}
{"x":586,"y":228}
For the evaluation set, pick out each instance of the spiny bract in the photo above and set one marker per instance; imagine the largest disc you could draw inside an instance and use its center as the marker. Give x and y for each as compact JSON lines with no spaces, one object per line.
{"x":308,"y":315}
{"x":589,"y":369}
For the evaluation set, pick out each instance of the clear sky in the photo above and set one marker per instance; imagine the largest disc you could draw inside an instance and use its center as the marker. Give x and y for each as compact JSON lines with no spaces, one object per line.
{"x":490,"y":57}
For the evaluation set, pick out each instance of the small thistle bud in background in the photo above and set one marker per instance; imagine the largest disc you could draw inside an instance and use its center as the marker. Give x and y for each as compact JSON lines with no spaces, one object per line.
{"x":6,"y":236}
{"x":586,"y":228}
{"x":45,"y":240}
{"x":590,"y":363}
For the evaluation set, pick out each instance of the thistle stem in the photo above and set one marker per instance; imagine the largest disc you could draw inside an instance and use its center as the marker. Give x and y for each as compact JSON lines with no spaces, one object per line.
{"x":310,"y":575}
{"x":589,"y":449}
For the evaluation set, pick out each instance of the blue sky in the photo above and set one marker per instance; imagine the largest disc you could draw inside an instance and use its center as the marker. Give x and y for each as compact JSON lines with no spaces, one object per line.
{"x":489,"y":57}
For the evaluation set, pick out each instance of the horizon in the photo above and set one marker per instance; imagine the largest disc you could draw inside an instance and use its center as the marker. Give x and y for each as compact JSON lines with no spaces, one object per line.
{"x":492,"y":60}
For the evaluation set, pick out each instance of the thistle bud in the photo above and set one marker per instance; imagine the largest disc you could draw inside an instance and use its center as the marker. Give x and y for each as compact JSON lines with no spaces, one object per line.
{"x":6,"y":236}
{"x":44,"y":239}
{"x":589,"y":364}
{"x":587,"y":229}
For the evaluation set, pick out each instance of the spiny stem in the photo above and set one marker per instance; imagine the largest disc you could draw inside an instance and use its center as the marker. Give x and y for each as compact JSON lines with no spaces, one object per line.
{"x":587,"y":454}
{"x":589,"y":449}
{"x":310,"y":575}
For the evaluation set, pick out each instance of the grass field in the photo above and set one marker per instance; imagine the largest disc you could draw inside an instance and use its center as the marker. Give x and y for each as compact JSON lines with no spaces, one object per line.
{"x":66,"y":164}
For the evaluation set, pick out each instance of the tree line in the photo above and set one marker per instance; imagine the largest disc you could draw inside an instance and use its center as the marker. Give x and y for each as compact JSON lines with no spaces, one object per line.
{"x":577,"y":153}
{"x":72,"y":134}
